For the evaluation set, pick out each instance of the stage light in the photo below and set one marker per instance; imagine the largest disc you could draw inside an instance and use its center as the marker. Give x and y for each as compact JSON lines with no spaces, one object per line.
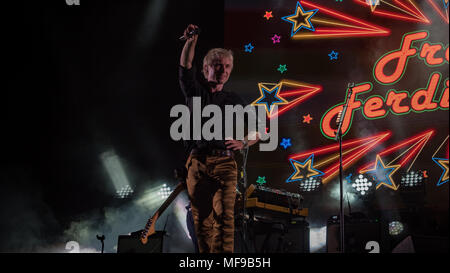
{"x":363,"y":185}
{"x":125,"y":192}
{"x":310,"y":184}
{"x":153,"y":196}
{"x":395,"y":228}
{"x":164,"y":192}
{"x":180,"y":212}
{"x":116,"y":172}
{"x":412,"y":180}
{"x":318,"y":238}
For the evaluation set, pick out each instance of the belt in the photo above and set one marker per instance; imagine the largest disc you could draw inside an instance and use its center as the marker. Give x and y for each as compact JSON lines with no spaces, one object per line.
{"x":213,"y":152}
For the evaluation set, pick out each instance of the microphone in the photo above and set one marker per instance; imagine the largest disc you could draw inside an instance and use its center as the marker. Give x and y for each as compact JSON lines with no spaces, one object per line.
{"x":190,"y":34}
{"x":342,"y":113}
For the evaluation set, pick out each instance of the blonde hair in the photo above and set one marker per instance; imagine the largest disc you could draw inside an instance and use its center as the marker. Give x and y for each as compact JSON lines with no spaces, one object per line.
{"x":214,"y":54}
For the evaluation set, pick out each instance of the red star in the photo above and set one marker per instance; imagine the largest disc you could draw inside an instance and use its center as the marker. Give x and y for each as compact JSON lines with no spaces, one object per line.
{"x":268,"y":15}
{"x":307,"y":119}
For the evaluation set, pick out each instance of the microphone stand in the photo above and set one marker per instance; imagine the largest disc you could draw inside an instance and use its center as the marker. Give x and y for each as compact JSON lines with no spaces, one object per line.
{"x":341,"y":172}
{"x":102,"y":239}
{"x":244,"y":153}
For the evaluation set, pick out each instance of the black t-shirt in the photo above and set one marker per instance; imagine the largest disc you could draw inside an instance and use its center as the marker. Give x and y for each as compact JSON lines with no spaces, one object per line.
{"x":191,"y":87}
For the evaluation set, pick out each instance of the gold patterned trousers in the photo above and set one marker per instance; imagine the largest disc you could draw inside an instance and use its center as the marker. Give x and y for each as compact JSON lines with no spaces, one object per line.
{"x":211,"y":184}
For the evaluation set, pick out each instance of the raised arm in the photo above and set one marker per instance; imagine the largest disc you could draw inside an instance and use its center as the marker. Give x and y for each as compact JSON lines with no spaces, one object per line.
{"x":187,"y":55}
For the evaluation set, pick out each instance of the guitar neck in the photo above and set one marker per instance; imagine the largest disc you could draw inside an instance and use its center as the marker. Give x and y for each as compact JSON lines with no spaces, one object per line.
{"x":179,"y":188}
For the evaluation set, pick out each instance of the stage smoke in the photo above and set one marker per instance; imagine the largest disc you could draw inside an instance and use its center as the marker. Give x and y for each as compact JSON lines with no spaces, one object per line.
{"x":28,"y":223}
{"x":128,"y":218}
{"x":317,"y":239}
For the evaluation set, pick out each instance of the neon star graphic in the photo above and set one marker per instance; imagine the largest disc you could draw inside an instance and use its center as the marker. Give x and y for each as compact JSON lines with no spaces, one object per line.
{"x":443,"y":163}
{"x":276,"y":39}
{"x":286,"y":142}
{"x":349,"y":178}
{"x":442,"y":11}
{"x":334,"y":24}
{"x":269,"y":97}
{"x":303,"y":170}
{"x":307,"y":119}
{"x":353,"y":150}
{"x":261,"y":180}
{"x":268,"y":15}
{"x":383,"y":174}
{"x":300,"y":19}
{"x":405,"y":10}
{"x":249,"y":47}
{"x":333,"y":55}
{"x":293,"y":92}
{"x":413,"y":145}
{"x":373,"y":4}
{"x":282,"y":68}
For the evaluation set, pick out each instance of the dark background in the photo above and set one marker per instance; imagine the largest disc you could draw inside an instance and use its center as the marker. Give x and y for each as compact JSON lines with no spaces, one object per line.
{"x":81,"y":80}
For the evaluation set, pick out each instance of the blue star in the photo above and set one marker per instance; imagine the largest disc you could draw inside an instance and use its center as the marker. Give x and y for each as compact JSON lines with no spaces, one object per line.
{"x":304,"y":16}
{"x":286,"y":142}
{"x":445,"y":3}
{"x":383,"y":174}
{"x":333,"y":55}
{"x":249,"y":47}
{"x":348,"y":178}
{"x":303,"y":170}
{"x":269,"y":97}
{"x":443,"y":163}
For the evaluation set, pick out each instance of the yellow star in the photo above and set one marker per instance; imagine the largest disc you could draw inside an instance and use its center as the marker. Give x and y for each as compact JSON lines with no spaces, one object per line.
{"x":444,"y":164}
{"x":303,"y":169}
{"x":300,"y":18}
{"x":272,"y":92}
{"x":373,"y":4}
{"x":383,"y":174}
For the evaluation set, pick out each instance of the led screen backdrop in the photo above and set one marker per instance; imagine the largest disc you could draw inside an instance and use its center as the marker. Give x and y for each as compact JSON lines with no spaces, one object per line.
{"x":396,"y":126}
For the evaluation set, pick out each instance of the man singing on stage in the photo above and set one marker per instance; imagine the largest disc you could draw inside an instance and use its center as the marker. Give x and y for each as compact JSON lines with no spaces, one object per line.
{"x":212,"y":170}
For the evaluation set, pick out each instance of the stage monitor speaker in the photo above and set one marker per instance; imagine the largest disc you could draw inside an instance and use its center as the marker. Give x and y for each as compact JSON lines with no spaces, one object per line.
{"x":422,"y":244}
{"x":357,"y":235}
{"x":281,"y":237}
{"x":132,"y":244}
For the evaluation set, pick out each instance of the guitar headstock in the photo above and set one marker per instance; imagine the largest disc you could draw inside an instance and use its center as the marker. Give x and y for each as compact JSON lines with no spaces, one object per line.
{"x":148,"y":230}
{"x":150,"y":226}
